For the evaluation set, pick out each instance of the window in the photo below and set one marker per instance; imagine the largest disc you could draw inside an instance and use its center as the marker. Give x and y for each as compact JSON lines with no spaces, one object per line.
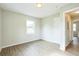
{"x":74,"y":27}
{"x":30,"y":27}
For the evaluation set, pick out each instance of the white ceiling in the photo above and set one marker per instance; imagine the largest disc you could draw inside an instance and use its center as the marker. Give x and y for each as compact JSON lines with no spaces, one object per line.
{"x":31,"y":9}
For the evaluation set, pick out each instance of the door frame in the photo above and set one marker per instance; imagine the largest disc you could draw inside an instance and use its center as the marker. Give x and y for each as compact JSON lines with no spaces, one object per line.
{"x":67,"y":11}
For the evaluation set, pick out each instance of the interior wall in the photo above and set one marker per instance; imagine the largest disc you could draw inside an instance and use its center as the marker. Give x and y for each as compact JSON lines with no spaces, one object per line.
{"x":52,"y":28}
{"x":14,"y":29}
{"x":0,"y":29}
{"x":69,"y":29}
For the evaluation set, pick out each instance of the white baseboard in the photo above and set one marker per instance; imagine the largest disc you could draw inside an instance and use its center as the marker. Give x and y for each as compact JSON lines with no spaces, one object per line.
{"x":51,"y":41}
{"x":62,"y":48}
{"x":69,"y":42}
{"x":18,"y":43}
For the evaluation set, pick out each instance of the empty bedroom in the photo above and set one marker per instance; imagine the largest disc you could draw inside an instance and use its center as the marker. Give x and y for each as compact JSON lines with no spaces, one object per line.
{"x":37,"y":29}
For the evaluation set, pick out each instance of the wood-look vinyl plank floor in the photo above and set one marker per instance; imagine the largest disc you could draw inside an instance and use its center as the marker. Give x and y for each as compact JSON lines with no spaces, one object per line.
{"x":41,"y":48}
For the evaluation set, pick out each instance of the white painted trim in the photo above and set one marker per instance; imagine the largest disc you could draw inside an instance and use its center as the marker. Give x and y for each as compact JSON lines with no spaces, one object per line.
{"x":64,"y":47}
{"x":18,"y":43}
{"x":69,"y":43}
{"x":75,"y":20}
{"x":51,"y":41}
{"x":76,"y":8}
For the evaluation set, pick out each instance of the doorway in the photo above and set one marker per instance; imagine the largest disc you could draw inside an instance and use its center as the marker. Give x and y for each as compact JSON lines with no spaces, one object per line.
{"x":72,"y":31}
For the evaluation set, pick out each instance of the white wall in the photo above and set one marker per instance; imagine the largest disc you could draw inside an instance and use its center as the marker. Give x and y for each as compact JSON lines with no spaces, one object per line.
{"x":14,"y":29}
{"x":0,"y":30}
{"x":54,"y":27}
